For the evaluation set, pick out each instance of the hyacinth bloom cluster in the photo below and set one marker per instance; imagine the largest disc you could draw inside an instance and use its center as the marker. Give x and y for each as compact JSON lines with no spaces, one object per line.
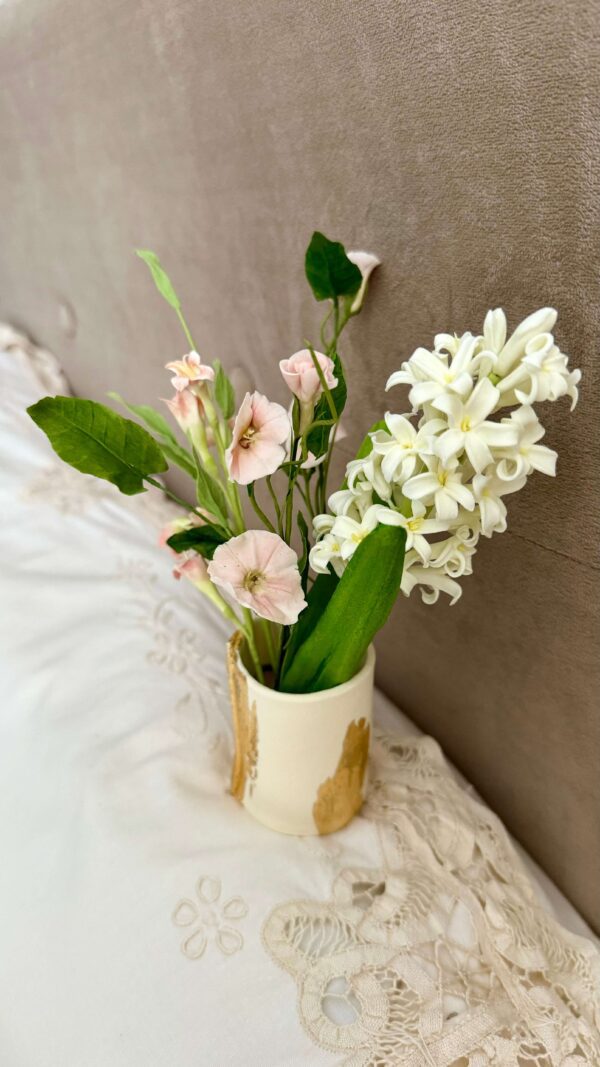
{"x":427,"y":484}
{"x":442,"y":471}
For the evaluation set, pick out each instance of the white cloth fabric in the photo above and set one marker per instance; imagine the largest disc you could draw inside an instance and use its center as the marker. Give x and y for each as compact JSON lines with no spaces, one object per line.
{"x":145,"y":919}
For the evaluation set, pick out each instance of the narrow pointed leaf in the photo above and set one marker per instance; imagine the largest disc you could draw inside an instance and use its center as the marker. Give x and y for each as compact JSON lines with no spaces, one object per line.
{"x":210,"y":495}
{"x":160,"y":277}
{"x":95,"y":440}
{"x":153,"y":419}
{"x":224,"y":391}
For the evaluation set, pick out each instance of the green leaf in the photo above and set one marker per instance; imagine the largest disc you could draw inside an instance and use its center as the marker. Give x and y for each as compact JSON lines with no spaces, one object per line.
{"x":317,"y":599}
{"x":180,"y":456}
{"x":329,"y":271}
{"x":203,"y":539}
{"x":210,"y":495}
{"x":336,"y":644}
{"x":157,"y":422}
{"x":150,"y":416}
{"x":224,"y":391}
{"x":95,"y":440}
{"x":160,"y":277}
{"x":318,"y":439}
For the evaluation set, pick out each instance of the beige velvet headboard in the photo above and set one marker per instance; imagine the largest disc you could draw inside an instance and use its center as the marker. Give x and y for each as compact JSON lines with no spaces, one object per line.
{"x":457,"y":139}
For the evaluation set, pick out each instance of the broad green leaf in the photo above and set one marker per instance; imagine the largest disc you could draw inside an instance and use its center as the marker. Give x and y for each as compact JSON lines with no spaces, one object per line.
{"x":329,"y":272}
{"x":180,"y":456}
{"x":367,"y":445}
{"x":224,"y":391}
{"x":153,"y":419}
{"x":203,"y":539}
{"x":210,"y":495}
{"x":95,"y":440}
{"x":336,"y":644}
{"x":317,"y":599}
{"x":318,"y":439}
{"x":160,"y":277}
{"x":157,"y":422}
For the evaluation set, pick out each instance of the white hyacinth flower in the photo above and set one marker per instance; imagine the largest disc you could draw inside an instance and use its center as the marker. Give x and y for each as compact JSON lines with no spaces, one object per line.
{"x":431,"y":580}
{"x":441,"y":487}
{"x":510,"y":352}
{"x":527,"y":455}
{"x":417,"y":526}
{"x":402,"y":447}
{"x":468,"y":428}
{"x":350,"y":533}
{"x":489,"y":490}
{"x":324,"y":552}
{"x":430,"y":375}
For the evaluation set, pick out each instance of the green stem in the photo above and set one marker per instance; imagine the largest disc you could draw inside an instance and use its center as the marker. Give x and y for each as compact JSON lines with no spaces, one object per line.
{"x":249,"y":632}
{"x":275,"y":503}
{"x":185,"y":329}
{"x":324,"y":385}
{"x":259,"y":511}
{"x":167,"y":492}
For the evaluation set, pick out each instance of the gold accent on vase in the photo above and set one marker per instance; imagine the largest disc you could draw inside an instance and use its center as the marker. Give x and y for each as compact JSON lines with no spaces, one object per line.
{"x":339,"y":798}
{"x":245,"y":728}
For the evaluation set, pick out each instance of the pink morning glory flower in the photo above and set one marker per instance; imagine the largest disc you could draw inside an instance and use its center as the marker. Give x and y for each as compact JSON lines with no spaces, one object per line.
{"x":261,"y":572}
{"x":260,"y":435}
{"x":190,"y":373}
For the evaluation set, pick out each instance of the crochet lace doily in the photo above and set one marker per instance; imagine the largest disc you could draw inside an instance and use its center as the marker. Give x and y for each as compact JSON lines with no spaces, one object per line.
{"x":442,"y":955}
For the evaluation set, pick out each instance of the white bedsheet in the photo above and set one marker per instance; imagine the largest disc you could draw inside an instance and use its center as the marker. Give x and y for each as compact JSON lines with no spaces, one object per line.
{"x":135,"y":893}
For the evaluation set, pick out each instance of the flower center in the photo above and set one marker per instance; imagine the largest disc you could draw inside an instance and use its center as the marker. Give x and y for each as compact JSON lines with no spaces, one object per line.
{"x":253,"y":581}
{"x":442,"y":476}
{"x":414,"y":525}
{"x":465,"y":424}
{"x":247,"y":436}
{"x":358,"y":537}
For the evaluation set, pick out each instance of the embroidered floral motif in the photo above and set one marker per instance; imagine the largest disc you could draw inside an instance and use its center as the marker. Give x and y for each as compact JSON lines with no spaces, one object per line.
{"x":210,"y":920}
{"x":442,"y":956}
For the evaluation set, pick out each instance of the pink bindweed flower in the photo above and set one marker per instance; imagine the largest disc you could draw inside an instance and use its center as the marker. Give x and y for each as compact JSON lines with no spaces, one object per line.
{"x":261,"y":572}
{"x":178,"y":525}
{"x":260,"y":434}
{"x":186,"y":408}
{"x":193,"y":567}
{"x":300,"y":375}
{"x":190,"y":373}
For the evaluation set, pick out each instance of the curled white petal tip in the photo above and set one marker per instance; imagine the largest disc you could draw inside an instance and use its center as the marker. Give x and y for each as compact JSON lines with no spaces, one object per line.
{"x":366,"y":263}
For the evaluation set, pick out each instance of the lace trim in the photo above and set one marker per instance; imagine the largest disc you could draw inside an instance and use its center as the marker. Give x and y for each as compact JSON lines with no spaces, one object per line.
{"x":443,"y":955}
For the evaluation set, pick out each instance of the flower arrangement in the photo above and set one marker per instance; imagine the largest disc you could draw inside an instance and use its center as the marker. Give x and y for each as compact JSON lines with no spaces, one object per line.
{"x":426,"y":484}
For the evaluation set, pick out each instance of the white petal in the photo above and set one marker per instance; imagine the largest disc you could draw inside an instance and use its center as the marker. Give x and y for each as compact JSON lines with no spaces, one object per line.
{"x":494,"y":330}
{"x":421,"y":486}
{"x":541,"y":321}
{"x":542,"y":459}
{"x":449,"y":445}
{"x":482,"y":400}
{"x":477,"y":451}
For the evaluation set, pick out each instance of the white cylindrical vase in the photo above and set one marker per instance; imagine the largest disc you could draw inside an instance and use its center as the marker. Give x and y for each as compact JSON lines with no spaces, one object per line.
{"x":300,"y":762}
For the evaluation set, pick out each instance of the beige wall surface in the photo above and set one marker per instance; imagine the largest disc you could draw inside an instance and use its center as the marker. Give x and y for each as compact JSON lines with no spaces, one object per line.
{"x":459,"y":140}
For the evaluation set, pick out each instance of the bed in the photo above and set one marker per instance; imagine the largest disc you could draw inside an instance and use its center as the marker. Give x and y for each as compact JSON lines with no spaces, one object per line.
{"x":146,"y":920}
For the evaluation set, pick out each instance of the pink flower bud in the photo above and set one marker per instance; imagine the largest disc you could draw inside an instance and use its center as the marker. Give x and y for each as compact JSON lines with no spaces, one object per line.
{"x":301,"y":377}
